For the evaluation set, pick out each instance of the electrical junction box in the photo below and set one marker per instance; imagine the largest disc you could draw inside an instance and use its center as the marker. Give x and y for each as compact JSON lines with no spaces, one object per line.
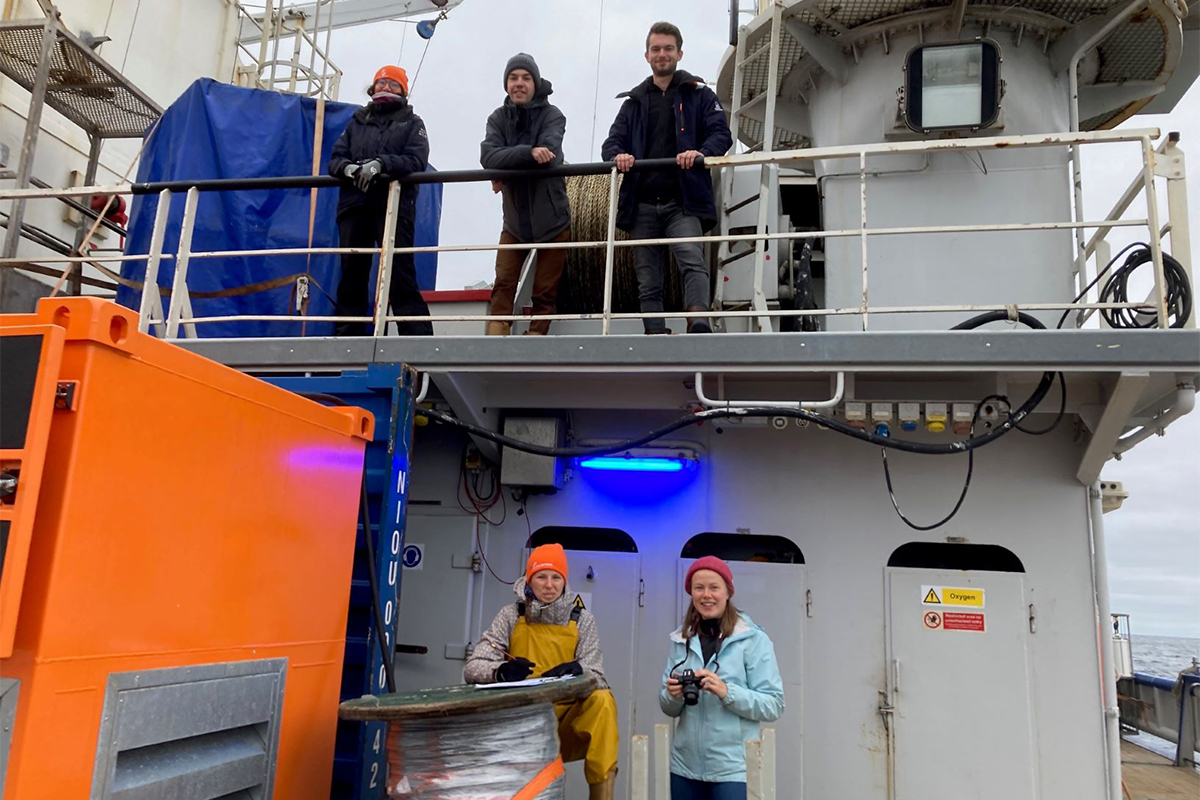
{"x":518,"y":468}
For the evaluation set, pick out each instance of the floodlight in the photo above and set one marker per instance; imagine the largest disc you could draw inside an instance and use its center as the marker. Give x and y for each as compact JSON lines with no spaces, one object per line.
{"x":952,"y":86}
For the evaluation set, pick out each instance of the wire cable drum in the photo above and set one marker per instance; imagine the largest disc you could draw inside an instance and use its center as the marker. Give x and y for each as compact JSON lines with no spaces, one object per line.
{"x":581,"y":290}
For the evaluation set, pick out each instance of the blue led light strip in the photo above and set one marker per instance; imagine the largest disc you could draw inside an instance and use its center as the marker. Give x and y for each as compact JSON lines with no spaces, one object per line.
{"x":619,"y":464}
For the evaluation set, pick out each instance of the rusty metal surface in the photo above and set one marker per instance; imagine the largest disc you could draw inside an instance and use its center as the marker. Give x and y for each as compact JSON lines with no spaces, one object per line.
{"x":83,"y":87}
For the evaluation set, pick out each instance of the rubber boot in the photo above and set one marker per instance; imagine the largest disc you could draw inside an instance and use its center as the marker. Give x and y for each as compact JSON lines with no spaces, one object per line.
{"x":498,"y":328}
{"x":605,"y":789}
{"x":698,"y":324}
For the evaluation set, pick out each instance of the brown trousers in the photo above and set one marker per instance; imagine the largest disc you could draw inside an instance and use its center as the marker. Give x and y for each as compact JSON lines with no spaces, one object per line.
{"x":547,"y":271}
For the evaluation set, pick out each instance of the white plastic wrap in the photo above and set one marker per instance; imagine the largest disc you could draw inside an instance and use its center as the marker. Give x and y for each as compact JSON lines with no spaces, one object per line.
{"x":485,"y":756}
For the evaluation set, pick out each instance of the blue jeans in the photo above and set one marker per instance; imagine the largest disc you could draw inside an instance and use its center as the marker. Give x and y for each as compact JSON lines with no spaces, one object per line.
{"x":663,"y":220}
{"x":687,"y":789}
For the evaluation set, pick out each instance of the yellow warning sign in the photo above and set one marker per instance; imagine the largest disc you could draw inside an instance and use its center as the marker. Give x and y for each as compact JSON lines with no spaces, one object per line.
{"x":952,"y":596}
{"x":578,"y":602}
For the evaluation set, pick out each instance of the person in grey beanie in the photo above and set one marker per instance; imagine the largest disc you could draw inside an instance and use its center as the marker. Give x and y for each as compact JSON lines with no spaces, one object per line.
{"x":526,"y":132}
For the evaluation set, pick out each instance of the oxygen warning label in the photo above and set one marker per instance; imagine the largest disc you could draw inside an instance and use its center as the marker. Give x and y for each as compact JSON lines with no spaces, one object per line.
{"x":951,"y":596}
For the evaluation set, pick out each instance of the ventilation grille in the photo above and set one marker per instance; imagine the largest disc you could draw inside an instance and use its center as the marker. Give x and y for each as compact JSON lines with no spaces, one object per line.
{"x":191,"y":733}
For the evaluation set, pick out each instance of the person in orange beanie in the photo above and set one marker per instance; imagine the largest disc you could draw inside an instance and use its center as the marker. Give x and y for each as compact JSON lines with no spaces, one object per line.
{"x":546,"y":633}
{"x":383,"y":140}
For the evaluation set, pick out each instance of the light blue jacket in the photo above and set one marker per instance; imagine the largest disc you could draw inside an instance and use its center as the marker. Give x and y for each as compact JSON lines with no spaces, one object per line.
{"x":710,"y":738}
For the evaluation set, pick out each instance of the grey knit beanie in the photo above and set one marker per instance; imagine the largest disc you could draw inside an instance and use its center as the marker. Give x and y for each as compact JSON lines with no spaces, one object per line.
{"x":524,"y":61}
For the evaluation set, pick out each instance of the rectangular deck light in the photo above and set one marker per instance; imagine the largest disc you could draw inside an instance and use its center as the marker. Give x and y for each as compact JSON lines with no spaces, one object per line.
{"x":953,"y":86}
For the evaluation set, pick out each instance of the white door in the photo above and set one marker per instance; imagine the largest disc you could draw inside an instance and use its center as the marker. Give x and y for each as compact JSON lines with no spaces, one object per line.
{"x":437,"y":591}
{"x":774,"y":596}
{"x":958,"y":654}
{"x":611,"y":594}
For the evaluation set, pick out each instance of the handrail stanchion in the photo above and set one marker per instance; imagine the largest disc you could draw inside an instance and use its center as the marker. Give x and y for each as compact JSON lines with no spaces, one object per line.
{"x":1177,"y":208}
{"x":1160,"y":297}
{"x":610,"y":251}
{"x":862,"y":224}
{"x":639,"y":767}
{"x":151,"y":298}
{"x":179,"y":289}
{"x":662,"y":761}
{"x":386,"y":250}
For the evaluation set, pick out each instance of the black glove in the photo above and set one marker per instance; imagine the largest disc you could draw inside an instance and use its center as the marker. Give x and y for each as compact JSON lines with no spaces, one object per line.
{"x":367,"y":173}
{"x":516,"y":670}
{"x":350,"y":170}
{"x":569,"y":668}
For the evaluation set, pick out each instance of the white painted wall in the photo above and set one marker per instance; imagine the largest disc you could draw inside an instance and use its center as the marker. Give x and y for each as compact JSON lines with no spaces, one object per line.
{"x":1020,"y":186}
{"x":826,"y":494}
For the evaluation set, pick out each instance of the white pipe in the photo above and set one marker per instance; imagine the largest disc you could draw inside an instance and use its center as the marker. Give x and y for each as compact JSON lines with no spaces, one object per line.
{"x":1184,"y":402}
{"x":424,"y":388}
{"x":1108,"y":674}
{"x":832,"y":402}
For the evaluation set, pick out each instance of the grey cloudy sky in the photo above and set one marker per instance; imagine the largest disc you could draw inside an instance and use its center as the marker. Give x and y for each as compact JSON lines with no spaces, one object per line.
{"x":1154,"y":541}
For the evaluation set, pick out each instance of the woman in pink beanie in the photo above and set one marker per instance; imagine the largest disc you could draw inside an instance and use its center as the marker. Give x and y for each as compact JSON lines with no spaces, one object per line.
{"x":721,"y":682}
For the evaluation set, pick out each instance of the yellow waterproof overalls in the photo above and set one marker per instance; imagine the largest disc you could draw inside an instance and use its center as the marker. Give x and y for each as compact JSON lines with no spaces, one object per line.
{"x":587,"y":728}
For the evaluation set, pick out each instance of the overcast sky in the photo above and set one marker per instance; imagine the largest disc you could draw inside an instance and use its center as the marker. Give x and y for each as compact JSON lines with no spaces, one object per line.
{"x":1154,"y":541}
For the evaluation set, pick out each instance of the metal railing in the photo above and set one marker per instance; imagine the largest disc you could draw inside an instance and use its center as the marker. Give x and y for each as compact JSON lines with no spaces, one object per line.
{"x":1166,"y":161}
{"x":258,"y":64}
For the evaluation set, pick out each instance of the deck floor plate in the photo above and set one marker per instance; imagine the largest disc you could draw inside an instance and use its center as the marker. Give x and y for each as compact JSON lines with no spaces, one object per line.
{"x":1149,"y":776}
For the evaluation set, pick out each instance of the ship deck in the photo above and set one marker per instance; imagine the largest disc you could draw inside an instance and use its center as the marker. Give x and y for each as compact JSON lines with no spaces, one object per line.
{"x":1149,"y":776}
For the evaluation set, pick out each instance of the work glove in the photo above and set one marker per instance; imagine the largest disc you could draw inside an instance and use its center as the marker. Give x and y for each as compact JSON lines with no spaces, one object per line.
{"x":516,"y":670}
{"x":367,"y":172}
{"x":568,"y":668}
{"x":350,"y":170}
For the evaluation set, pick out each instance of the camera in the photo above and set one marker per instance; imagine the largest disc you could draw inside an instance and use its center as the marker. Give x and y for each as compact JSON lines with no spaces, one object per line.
{"x":691,"y":687}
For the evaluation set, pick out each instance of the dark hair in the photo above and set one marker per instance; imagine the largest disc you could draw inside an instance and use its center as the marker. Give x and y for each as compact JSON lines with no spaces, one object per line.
{"x":665,"y":29}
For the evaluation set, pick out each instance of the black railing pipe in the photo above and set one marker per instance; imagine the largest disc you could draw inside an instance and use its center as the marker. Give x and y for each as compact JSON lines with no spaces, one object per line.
{"x":449,"y":176}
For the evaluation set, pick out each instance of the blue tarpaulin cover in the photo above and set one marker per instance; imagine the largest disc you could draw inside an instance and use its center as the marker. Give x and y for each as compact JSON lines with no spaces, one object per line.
{"x":219,"y":131}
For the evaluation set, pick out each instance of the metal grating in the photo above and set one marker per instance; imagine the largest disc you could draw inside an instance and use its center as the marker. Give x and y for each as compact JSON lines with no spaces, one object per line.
{"x":757,"y":72}
{"x":1134,"y":52}
{"x":83,"y":87}
{"x":853,"y":13}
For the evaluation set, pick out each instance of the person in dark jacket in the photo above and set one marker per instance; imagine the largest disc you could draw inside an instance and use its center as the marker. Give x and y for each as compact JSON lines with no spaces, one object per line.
{"x":384,"y":140}
{"x":671,"y":114}
{"x":527,"y":133}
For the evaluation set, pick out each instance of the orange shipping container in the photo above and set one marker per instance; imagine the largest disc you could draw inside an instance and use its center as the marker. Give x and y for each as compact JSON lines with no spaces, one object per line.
{"x":177,"y":551}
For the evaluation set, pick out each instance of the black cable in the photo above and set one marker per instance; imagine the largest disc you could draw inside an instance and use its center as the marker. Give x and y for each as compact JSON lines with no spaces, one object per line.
{"x":1179,"y":291}
{"x":887,"y":479}
{"x":726,"y":413}
{"x":1062,"y":410}
{"x":389,"y":669}
{"x":887,"y":475}
{"x":1116,"y":290}
{"x":1032,"y":322}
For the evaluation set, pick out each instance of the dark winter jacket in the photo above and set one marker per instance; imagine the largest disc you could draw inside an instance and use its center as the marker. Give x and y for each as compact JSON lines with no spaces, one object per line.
{"x":535,"y":210}
{"x":396,"y":136}
{"x":700,"y":125}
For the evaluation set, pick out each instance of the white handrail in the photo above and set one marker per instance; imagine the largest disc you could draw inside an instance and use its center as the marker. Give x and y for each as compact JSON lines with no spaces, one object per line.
{"x":181,"y":314}
{"x":838,"y":392}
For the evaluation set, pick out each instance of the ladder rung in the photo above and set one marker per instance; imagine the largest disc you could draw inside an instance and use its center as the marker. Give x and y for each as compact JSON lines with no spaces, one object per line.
{"x":730,"y":259}
{"x":754,"y":55}
{"x":753,"y":102}
{"x":741,"y":204}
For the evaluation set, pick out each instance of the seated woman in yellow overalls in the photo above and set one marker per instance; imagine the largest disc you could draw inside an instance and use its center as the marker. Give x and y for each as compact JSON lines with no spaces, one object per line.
{"x":546,"y":635}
